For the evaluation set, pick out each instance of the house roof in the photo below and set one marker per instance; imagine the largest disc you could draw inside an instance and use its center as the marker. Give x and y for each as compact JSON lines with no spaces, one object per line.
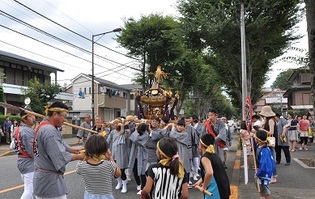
{"x":297,"y":87}
{"x":6,"y":56}
{"x":297,"y":71}
{"x":132,"y":86}
{"x":126,"y":87}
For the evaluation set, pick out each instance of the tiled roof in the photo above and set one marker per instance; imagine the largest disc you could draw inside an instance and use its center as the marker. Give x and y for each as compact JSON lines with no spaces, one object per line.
{"x":24,"y":59}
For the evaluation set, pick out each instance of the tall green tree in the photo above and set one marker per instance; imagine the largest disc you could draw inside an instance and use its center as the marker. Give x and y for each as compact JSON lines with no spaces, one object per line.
{"x":40,"y":94}
{"x":310,"y":20}
{"x":206,"y":89}
{"x":154,"y":39}
{"x":282,"y":81}
{"x":213,"y":27}
{"x":159,"y":41}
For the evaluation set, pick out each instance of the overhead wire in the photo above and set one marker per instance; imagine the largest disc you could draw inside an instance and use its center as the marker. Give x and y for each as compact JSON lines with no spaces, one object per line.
{"x":38,"y":54}
{"x":52,"y":46}
{"x":56,"y":38}
{"x":82,"y":36}
{"x":124,"y":66}
{"x":28,"y":14}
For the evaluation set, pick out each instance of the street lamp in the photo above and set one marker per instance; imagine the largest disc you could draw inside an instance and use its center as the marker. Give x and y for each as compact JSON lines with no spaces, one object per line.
{"x":93,"y":42}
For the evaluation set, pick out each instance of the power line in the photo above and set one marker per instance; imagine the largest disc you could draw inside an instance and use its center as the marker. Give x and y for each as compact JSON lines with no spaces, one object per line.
{"x":38,"y":54}
{"x":82,"y":36}
{"x":57,"y":38}
{"x":52,"y":46}
{"x":52,"y":36}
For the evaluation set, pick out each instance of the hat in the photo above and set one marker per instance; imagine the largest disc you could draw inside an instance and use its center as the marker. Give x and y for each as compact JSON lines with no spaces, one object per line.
{"x":267,"y":112}
{"x":129,"y":118}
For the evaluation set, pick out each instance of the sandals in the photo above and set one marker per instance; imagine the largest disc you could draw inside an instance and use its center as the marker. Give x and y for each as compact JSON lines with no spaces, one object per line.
{"x":273,"y":180}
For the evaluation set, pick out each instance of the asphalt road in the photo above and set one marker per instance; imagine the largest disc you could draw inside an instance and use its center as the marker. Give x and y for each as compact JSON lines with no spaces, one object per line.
{"x":11,"y":182}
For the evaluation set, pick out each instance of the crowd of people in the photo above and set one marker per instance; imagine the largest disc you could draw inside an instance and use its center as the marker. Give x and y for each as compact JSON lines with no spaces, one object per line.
{"x":136,"y":147}
{"x":165,"y":157}
{"x":269,"y":135}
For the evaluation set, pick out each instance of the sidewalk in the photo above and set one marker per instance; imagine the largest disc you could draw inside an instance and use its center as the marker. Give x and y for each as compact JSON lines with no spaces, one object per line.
{"x":293,"y":182}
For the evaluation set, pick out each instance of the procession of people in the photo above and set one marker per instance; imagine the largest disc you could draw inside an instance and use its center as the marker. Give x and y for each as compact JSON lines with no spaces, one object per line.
{"x":165,"y":157}
{"x":121,"y":148}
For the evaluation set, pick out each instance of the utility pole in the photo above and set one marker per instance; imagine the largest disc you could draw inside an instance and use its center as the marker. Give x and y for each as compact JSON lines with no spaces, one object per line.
{"x":243,"y":58}
{"x":244,"y":82}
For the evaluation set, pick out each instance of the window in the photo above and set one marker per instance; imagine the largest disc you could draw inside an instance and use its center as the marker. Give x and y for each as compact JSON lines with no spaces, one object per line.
{"x":305,"y":78}
{"x":84,"y":90}
{"x":90,"y":90}
{"x":306,"y":98}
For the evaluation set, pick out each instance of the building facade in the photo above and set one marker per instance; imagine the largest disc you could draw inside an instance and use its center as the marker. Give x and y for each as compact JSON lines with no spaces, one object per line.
{"x":273,"y":98}
{"x":110,"y":99}
{"x":299,"y":95}
{"x":16,"y":71}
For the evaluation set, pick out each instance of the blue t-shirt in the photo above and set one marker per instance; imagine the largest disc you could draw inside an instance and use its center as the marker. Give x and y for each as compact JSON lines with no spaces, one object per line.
{"x":293,"y":125}
{"x":7,"y":126}
{"x":266,"y":164}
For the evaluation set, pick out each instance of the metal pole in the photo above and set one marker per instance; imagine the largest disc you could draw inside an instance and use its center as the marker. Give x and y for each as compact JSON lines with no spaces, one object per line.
{"x":244,"y":82}
{"x":92,"y":104}
{"x":243,"y":57}
{"x":93,"y":36}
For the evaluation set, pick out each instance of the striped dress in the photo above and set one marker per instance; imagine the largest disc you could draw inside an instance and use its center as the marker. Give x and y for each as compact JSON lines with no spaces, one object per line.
{"x":97,"y":177}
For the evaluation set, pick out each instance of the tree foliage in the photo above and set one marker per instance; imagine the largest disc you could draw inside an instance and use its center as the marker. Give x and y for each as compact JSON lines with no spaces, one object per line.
{"x":282,"y":81}
{"x":154,"y":39}
{"x":213,"y":27}
{"x":157,"y":40}
{"x":40,"y":94}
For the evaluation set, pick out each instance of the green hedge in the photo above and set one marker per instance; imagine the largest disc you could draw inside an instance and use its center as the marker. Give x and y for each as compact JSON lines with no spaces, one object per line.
{"x":12,"y":117}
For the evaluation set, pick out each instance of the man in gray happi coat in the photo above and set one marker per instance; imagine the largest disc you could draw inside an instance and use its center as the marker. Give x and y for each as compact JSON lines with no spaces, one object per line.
{"x":51,"y":155}
{"x":82,"y":134}
{"x":219,"y":130}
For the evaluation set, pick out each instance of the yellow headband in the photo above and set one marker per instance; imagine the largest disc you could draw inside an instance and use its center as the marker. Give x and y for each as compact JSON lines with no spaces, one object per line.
{"x":209,"y":149}
{"x":24,"y":116}
{"x":260,"y":139}
{"x":167,"y":159}
{"x":55,"y":109}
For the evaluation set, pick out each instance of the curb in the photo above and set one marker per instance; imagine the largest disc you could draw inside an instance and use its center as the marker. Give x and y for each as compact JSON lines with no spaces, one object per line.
{"x":235,"y":181}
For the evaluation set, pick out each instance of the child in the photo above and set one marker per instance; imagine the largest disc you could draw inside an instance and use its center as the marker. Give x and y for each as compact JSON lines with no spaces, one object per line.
{"x":166,"y":178}
{"x":140,"y":138}
{"x":246,"y":140}
{"x":180,"y":134}
{"x":119,"y":147}
{"x":266,"y":164}
{"x":214,"y":178}
{"x":98,"y":169}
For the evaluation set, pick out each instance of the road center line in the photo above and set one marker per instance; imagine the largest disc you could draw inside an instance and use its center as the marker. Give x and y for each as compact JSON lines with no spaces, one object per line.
{"x":22,"y":185}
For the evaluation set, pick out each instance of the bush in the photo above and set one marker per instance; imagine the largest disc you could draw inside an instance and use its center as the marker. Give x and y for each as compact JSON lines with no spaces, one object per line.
{"x":12,"y":117}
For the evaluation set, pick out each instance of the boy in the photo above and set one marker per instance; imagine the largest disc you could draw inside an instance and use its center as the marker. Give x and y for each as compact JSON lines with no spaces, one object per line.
{"x":266,"y":164}
{"x":213,"y":175}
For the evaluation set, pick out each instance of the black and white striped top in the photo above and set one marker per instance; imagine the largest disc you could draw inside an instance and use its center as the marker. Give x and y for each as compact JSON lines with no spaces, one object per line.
{"x":97,"y":178}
